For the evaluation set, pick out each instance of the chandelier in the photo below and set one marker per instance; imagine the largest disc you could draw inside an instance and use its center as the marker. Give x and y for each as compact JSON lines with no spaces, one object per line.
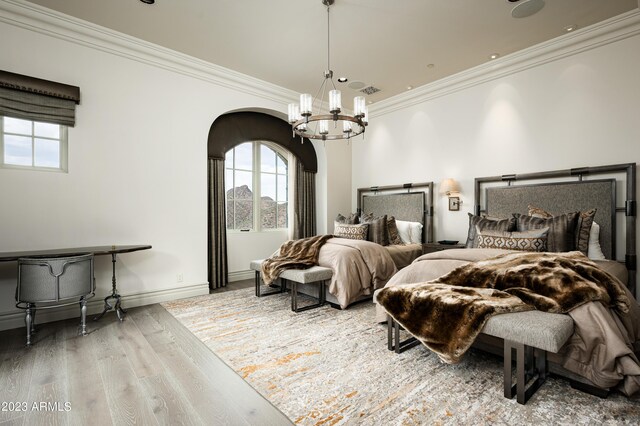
{"x":318,"y":126}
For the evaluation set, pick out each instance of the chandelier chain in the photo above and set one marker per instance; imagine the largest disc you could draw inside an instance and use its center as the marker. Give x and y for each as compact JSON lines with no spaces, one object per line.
{"x":328,"y":39}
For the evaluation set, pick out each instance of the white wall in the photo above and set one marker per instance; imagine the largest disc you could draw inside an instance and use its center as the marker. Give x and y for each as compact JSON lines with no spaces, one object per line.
{"x":580,"y":110}
{"x":137,"y":159}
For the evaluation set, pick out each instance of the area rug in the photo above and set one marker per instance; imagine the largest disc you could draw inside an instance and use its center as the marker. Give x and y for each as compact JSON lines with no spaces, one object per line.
{"x":331,"y":367}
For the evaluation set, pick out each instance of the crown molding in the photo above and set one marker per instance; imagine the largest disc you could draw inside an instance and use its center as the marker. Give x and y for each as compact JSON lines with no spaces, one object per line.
{"x":45,"y":21}
{"x":610,"y":31}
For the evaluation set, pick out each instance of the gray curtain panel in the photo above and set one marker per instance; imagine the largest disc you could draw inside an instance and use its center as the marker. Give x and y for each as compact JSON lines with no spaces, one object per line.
{"x":304,"y":203}
{"x":218,"y":267}
{"x":36,"y":107}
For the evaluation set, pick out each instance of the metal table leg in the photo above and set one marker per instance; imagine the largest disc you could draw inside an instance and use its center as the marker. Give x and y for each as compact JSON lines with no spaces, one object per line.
{"x":120,"y":312}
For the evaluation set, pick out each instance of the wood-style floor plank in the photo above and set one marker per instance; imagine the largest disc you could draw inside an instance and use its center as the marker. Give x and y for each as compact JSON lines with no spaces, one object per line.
{"x":253,"y":407}
{"x":18,"y":421}
{"x":157,"y":336}
{"x":49,"y":363}
{"x":169,"y":403}
{"x":47,"y":405}
{"x":139,"y":352}
{"x":15,"y":371}
{"x":125,"y":397}
{"x":148,"y":369}
{"x":48,"y":388}
{"x":208,"y":399}
{"x":85,"y":388}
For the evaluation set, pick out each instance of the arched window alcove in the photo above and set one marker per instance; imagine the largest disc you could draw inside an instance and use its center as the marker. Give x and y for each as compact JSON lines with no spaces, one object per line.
{"x":231,"y":130}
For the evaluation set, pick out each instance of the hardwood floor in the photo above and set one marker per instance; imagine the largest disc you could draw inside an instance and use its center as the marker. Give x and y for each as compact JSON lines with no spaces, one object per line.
{"x":148,"y":369}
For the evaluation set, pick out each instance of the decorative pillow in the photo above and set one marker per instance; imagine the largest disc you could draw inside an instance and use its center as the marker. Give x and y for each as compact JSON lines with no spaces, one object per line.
{"x":485,"y":223}
{"x":377,"y":229}
{"x":404,"y":231}
{"x":353,"y":219}
{"x":561,"y":236}
{"x":392,"y":231}
{"x":583,"y":227}
{"x":415,"y":231}
{"x":352,"y":232}
{"x":410,"y":232}
{"x":535,"y":240}
{"x":595,"y":251}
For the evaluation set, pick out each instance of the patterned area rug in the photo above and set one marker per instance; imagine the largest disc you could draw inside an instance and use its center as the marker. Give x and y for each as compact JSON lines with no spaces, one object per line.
{"x":332,"y":367}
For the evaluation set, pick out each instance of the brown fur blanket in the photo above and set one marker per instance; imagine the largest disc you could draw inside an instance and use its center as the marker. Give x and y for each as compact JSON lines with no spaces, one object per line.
{"x":294,"y":254}
{"x":448,"y":313}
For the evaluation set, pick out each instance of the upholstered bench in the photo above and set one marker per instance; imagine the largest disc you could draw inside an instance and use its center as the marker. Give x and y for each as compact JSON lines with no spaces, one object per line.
{"x":313,"y":275}
{"x":531,"y":334}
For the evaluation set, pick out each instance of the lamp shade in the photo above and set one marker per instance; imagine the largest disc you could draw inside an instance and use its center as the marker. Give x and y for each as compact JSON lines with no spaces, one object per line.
{"x":449,"y":186}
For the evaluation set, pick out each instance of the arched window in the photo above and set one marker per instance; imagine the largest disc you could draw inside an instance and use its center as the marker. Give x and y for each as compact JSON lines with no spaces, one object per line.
{"x":257,"y":187}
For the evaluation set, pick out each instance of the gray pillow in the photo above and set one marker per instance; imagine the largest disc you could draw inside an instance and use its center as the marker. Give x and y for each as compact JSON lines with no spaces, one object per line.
{"x":562,"y":228}
{"x":482,"y":223}
{"x":351,"y":220}
{"x":378,"y":232}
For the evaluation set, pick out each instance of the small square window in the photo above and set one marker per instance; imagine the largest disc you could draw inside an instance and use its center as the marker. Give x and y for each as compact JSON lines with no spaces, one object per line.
{"x":32,"y":145}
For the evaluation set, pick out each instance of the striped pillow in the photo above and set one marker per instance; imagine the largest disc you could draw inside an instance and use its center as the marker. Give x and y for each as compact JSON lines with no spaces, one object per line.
{"x":583,"y":227}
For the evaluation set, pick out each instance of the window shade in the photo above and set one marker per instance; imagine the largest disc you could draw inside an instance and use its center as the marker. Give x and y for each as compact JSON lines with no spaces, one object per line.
{"x":35,"y":99}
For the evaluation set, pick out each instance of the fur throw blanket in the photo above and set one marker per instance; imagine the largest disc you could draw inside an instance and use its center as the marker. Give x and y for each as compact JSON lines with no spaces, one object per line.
{"x":293,"y":254}
{"x":448,"y":313}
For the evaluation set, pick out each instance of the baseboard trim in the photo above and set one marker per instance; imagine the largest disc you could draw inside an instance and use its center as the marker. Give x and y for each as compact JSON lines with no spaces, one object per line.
{"x":15,"y":318}
{"x":241,"y":275}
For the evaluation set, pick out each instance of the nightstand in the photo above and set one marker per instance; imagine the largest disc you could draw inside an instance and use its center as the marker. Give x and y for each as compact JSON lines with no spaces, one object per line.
{"x":433,"y":247}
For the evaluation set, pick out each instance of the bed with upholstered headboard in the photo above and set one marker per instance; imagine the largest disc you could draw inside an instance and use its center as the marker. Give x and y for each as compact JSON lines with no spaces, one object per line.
{"x":407,"y":207}
{"x":564,"y":206}
{"x":395,"y":220}
{"x":609,"y":190}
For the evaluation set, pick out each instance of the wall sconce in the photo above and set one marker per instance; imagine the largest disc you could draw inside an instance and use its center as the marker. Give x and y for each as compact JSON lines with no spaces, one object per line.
{"x":451,"y":189}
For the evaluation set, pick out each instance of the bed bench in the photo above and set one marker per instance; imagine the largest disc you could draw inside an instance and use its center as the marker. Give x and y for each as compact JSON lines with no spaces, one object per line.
{"x":530,"y":334}
{"x":316,"y":275}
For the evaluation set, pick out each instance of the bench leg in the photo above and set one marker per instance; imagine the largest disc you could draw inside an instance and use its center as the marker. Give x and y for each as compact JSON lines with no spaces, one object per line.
{"x":393,"y":337}
{"x":258,"y":291}
{"x":294,"y":297}
{"x":529,"y":362}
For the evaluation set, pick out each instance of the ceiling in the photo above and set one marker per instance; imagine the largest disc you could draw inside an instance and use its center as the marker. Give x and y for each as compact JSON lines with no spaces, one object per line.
{"x":384,"y":43}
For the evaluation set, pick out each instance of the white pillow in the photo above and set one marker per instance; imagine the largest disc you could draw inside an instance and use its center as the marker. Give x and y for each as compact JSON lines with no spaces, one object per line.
{"x":404,"y":231}
{"x":594,"y":252}
{"x":409,"y":232}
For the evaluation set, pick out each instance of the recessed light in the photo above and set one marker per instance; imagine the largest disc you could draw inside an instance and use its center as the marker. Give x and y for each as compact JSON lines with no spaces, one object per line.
{"x":342,"y":79}
{"x":494,"y":56}
{"x":430,"y":65}
{"x":570,"y":28}
{"x":409,"y":87}
{"x":148,"y":1}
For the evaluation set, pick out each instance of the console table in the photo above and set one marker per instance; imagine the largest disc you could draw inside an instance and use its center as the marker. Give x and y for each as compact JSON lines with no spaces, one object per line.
{"x":77,"y":251}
